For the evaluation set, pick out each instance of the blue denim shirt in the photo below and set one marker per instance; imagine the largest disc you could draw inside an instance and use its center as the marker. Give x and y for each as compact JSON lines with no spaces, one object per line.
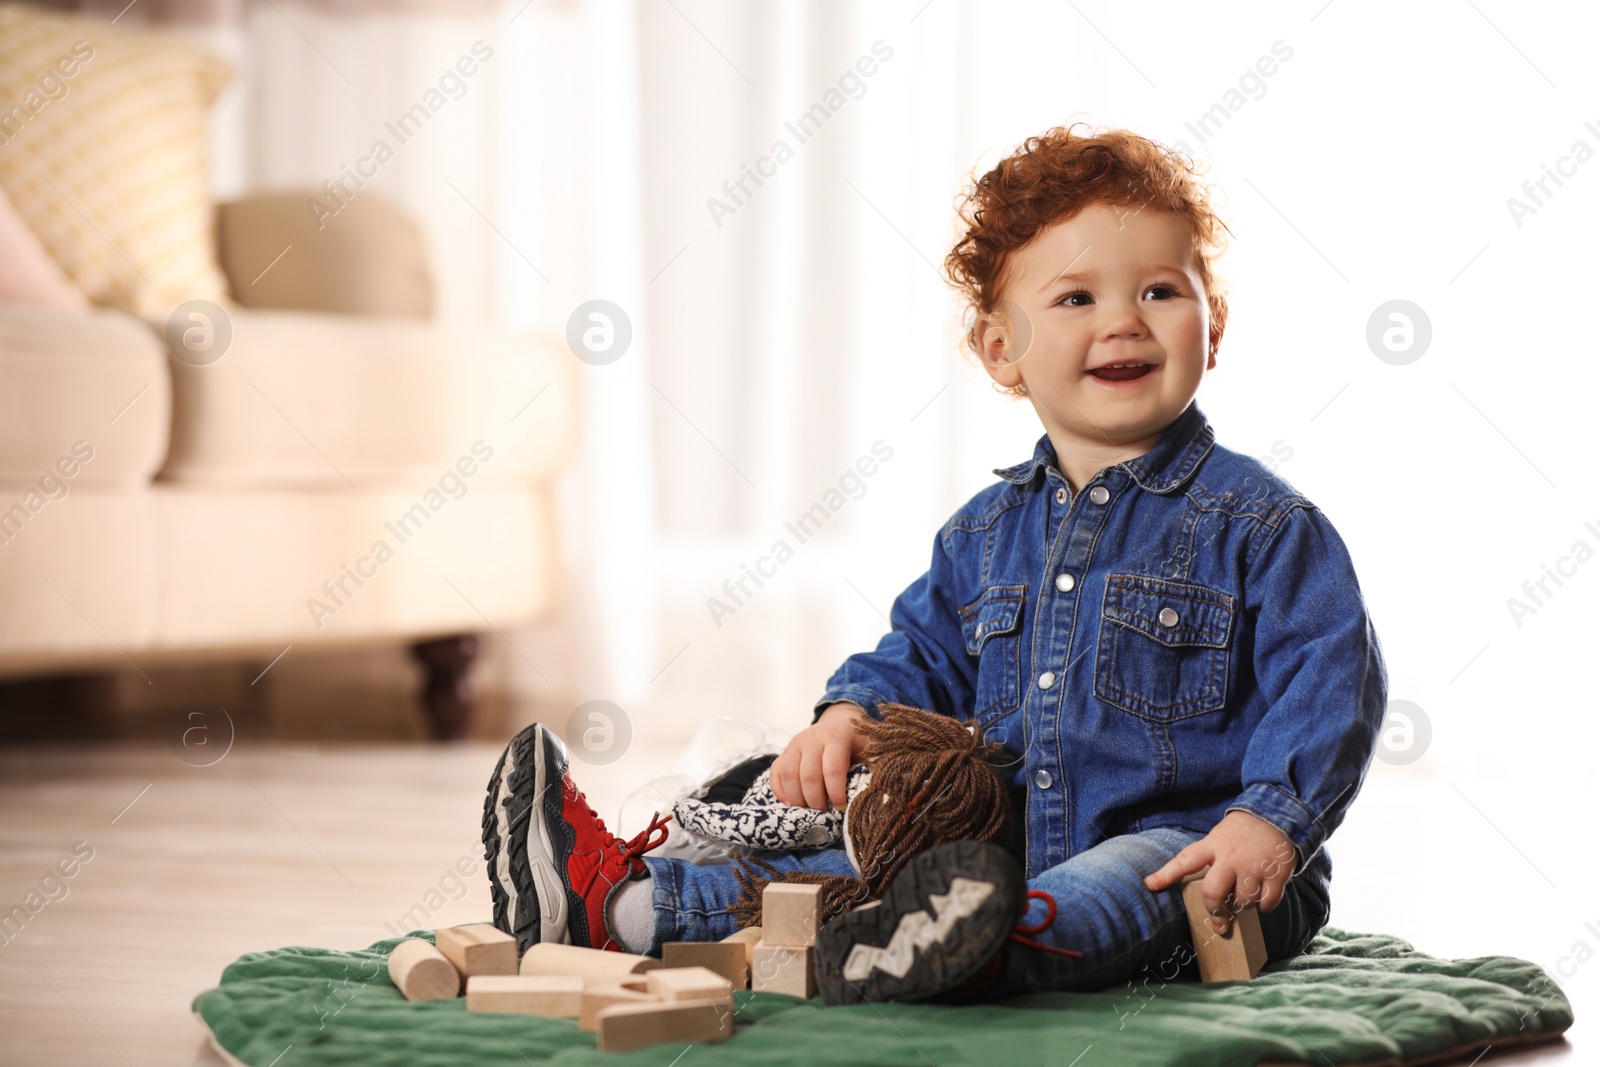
{"x":1183,"y":638}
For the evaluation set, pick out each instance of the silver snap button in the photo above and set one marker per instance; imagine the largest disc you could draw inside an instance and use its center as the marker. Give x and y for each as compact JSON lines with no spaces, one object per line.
{"x":1064,"y":582}
{"x":1047,"y":679}
{"x":979,"y":631}
{"x":1042,"y":779}
{"x":1099,"y":494}
{"x":1061,"y":496}
{"x":1167,"y":617}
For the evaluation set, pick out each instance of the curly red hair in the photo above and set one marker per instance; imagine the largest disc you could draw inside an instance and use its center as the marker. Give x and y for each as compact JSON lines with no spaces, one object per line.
{"x":1052,"y":177}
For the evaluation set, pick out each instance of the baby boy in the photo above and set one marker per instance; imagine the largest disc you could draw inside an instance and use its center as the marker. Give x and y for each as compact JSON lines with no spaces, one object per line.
{"x":1165,"y":637}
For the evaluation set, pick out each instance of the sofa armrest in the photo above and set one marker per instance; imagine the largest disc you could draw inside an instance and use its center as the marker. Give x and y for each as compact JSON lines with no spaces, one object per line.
{"x":85,"y":401}
{"x":293,"y":250}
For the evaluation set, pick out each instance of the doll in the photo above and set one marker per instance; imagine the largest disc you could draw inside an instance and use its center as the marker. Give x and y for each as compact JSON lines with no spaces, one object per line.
{"x":929,"y":783}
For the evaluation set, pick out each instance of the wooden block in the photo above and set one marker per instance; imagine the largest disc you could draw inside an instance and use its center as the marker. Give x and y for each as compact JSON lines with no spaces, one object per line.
{"x":421,"y":972}
{"x":749,"y":937}
{"x":552,"y":995}
{"x":730,"y":959}
{"x":597,"y":995}
{"x":689,"y":983}
{"x":621,"y":1027}
{"x":1236,"y":956}
{"x":790,"y":914}
{"x":478,"y":949}
{"x":780,"y":969}
{"x":589,"y":963}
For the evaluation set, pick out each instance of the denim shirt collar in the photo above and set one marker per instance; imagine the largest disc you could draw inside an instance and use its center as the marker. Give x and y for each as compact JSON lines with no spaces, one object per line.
{"x":1165,"y":467}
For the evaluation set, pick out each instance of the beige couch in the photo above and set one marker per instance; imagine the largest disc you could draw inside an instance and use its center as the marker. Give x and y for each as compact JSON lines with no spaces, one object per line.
{"x":346,"y":472}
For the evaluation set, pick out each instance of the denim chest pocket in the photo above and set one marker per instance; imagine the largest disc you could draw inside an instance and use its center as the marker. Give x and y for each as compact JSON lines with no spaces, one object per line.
{"x":992,"y":627}
{"x":1163,"y":651}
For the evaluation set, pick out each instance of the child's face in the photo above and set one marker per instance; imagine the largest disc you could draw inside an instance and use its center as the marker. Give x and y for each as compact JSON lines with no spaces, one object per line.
{"x":1131,"y":295}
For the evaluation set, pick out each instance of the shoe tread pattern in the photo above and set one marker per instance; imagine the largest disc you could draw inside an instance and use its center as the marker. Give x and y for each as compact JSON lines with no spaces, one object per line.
{"x":940,"y":967}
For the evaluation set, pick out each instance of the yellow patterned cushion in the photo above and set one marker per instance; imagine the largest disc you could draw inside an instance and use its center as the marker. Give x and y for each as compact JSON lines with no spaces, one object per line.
{"x":103,"y":152}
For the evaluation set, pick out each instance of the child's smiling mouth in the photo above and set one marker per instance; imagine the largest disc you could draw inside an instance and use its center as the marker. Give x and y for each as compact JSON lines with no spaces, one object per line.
{"x":1122,"y":373}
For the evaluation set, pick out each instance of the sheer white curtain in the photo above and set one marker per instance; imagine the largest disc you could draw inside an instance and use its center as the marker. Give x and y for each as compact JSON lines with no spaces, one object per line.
{"x":789,"y":331}
{"x":781,"y":331}
{"x":775,"y":457}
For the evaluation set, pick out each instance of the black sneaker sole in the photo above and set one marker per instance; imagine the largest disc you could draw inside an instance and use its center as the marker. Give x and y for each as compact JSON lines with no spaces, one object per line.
{"x":526,"y":842}
{"x":907,"y":947}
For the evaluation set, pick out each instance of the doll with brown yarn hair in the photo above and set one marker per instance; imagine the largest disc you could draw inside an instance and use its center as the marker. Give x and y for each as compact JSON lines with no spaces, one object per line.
{"x":931,"y":784}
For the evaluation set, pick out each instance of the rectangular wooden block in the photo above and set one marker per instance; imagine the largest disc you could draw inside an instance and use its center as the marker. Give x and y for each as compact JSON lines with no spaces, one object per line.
{"x":621,"y":1027}
{"x":421,"y":972}
{"x":478,"y":949}
{"x":689,"y":983}
{"x":555,"y":996}
{"x":550,"y":958}
{"x":1236,"y":956}
{"x":728,"y":958}
{"x":598,"y":995}
{"x":781,"y":969}
{"x":749,"y":937}
{"x":790,"y":914}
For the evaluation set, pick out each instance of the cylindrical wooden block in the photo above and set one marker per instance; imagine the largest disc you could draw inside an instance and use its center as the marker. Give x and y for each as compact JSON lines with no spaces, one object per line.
{"x":421,"y":972}
{"x":550,"y":958}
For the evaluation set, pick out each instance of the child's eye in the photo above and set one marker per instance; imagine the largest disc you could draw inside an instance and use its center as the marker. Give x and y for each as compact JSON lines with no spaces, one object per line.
{"x":1172,"y":289}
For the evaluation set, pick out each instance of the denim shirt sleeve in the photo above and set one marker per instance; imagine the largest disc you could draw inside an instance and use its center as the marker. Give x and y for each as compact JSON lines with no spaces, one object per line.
{"x":922,"y":661}
{"x":1321,"y":672}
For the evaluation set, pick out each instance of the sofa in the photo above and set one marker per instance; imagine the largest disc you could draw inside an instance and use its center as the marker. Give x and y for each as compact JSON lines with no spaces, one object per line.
{"x":346,"y":472}
{"x":228,"y":432}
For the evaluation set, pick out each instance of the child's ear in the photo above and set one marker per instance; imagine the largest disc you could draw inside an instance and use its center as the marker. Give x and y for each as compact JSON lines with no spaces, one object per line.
{"x":1216,"y":340}
{"x":1003,"y":336}
{"x":1219,"y":323}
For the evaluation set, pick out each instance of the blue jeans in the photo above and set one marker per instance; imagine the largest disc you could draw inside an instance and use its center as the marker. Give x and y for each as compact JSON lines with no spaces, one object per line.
{"x":1103,"y":910}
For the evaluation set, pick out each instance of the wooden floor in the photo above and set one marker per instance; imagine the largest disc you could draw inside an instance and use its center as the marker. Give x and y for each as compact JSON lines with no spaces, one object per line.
{"x":271,"y":846}
{"x":194,"y":866}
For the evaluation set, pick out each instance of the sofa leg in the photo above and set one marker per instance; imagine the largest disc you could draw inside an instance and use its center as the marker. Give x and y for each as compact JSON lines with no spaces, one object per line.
{"x":448,"y":695}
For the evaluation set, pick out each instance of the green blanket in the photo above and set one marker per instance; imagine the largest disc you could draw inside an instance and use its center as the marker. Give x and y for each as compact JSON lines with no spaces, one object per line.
{"x":1352,"y":999}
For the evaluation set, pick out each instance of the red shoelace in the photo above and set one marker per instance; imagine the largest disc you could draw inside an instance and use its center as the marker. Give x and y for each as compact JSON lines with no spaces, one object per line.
{"x":634,"y":847}
{"x":644,"y":840}
{"x":1042,"y":925}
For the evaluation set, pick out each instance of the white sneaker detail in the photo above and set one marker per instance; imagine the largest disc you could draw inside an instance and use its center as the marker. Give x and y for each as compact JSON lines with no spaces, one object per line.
{"x":502,"y":865}
{"x":552,"y":918}
{"x":916,"y":931}
{"x":547,"y":881}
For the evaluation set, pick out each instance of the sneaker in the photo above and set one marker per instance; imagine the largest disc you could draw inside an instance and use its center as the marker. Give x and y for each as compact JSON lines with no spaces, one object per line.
{"x":944,"y":919}
{"x":981,"y":984}
{"x":553,"y":866}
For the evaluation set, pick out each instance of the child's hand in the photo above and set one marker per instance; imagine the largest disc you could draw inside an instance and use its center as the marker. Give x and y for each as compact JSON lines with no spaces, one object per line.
{"x":814,"y":770}
{"x":1249,"y":857}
